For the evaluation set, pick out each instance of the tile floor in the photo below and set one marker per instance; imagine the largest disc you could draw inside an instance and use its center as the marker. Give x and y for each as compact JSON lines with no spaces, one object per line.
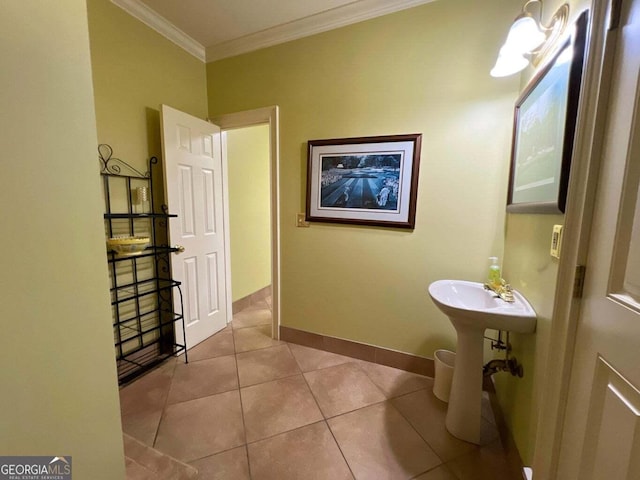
{"x":250,"y":407}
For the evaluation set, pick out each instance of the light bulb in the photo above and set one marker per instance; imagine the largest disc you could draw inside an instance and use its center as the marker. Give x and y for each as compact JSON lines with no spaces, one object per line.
{"x":508,"y":63}
{"x":524,"y":35}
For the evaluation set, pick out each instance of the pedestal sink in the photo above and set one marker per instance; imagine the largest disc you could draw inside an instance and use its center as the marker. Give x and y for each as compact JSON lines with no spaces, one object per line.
{"x":472,"y":310}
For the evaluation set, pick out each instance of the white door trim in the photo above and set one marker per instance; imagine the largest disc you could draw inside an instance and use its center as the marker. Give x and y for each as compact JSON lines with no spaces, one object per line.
{"x":576,"y":234}
{"x":247,"y":118}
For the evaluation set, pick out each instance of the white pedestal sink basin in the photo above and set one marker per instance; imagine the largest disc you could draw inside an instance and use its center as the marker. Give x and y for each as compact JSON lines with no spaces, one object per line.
{"x":472,"y":310}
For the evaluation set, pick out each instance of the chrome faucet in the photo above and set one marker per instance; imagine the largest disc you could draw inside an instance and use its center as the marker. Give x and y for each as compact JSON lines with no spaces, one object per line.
{"x":502,"y":290}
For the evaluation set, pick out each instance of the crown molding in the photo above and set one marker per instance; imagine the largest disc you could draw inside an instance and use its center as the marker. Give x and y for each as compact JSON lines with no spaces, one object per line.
{"x":355,"y":12}
{"x":149,"y":17}
{"x":351,"y":13}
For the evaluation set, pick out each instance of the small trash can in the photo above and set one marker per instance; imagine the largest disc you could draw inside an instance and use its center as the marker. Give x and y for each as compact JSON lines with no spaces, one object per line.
{"x":444,"y":362}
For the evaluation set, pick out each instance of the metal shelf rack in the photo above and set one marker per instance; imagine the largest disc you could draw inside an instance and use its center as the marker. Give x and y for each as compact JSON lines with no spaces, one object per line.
{"x":142,"y":290}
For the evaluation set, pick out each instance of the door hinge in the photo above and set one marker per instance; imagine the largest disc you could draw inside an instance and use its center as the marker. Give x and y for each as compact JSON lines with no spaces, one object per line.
{"x":578,"y":282}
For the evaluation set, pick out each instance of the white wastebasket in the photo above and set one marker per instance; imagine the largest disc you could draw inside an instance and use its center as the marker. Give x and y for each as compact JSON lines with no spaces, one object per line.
{"x":444,"y":362}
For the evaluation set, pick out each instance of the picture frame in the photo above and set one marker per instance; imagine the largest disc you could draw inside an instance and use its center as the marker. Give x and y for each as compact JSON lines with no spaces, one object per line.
{"x":364,"y":180}
{"x":544,"y":130}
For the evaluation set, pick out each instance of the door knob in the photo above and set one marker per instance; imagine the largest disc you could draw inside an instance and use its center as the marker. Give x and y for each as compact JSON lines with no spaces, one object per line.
{"x":179,"y":248}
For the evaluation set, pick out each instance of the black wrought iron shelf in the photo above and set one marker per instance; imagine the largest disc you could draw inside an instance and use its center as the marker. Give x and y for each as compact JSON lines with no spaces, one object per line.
{"x":139,"y":215}
{"x":142,"y":289}
{"x":148,"y":252}
{"x":145,"y":300}
{"x":151,"y":315}
{"x":129,"y":368}
{"x":138,"y":331}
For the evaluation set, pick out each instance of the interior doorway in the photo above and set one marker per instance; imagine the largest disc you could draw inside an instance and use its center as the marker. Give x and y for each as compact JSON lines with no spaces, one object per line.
{"x":249,"y":189}
{"x":267,"y":117}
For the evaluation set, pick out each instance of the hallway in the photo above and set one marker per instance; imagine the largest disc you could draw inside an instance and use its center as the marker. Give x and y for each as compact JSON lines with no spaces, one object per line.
{"x":250,"y":407}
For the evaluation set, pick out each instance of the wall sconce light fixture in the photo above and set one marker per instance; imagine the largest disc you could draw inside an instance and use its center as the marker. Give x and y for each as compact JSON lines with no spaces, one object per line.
{"x":529,"y":39}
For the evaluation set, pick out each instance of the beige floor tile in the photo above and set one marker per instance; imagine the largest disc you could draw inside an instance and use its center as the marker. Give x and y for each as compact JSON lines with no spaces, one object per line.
{"x":142,"y":425}
{"x":284,"y":413}
{"x":261,"y":304}
{"x":203,"y":378}
{"x":311,"y":359}
{"x":394,"y":382}
{"x":148,"y":392}
{"x":202,"y":427}
{"x":230,"y":465}
{"x":342,"y":388}
{"x":266,"y":364}
{"x":487,"y":411}
{"x":218,"y":345}
{"x":486,"y":463}
{"x":379,"y":443}
{"x":275,"y":407}
{"x":135,"y":471}
{"x":252,"y":317}
{"x":488,"y":433}
{"x":162,"y":465}
{"x":306,"y":453}
{"x":254,"y":338}
{"x":427,"y":415}
{"x":438,"y":473}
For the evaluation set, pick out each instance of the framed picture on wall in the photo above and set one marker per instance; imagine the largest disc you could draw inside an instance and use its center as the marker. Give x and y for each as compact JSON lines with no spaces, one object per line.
{"x":364,"y":181}
{"x":544,"y":130}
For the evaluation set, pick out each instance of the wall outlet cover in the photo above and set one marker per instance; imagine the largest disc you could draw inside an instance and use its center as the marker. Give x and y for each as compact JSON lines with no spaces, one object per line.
{"x":556,"y":241}
{"x":301,"y":221}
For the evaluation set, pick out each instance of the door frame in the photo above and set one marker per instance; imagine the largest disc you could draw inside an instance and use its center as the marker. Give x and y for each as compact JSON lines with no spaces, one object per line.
{"x":248,"y":118}
{"x":590,"y":130}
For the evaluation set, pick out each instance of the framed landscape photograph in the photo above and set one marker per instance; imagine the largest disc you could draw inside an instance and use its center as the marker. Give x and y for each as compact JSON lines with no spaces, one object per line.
{"x":544,"y":130}
{"x":364,"y":181}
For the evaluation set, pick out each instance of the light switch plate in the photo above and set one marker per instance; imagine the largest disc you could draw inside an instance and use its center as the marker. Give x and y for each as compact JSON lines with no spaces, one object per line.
{"x":556,"y":241}
{"x":300,"y":221}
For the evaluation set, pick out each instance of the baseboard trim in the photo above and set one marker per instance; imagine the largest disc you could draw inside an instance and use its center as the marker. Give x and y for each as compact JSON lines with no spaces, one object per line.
{"x":251,"y":299}
{"x":361,"y":351}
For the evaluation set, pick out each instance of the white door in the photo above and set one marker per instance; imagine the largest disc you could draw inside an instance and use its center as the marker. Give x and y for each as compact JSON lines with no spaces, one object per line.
{"x":601,"y":432}
{"x":194,"y":191}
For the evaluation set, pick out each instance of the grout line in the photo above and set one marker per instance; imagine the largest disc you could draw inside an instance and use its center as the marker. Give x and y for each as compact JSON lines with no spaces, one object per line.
{"x":384,"y":394}
{"x":442,"y":462}
{"x":252,"y":326}
{"x":270,"y":381}
{"x":283,"y":433}
{"x":340,"y":448}
{"x":164,"y":407}
{"x":326,"y":420}
{"x":306,"y":381}
{"x":442,"y":465}
{"x":244,"y":425}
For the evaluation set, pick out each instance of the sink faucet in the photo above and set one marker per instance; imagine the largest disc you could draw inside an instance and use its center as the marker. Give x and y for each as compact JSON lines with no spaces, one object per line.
{"x":502,"y":290}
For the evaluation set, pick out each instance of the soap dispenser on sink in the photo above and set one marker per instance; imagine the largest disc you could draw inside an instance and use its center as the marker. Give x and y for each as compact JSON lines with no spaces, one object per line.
{"x":496,"y":283}
{"x":495,"y":275}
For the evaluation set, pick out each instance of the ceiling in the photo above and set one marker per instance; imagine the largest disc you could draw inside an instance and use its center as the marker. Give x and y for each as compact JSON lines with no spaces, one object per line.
{"x":215,"y":29}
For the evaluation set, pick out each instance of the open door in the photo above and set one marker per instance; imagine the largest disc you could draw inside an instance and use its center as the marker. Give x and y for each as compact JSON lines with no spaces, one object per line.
{"x":194,"y":191}
{"x":600,"y":438}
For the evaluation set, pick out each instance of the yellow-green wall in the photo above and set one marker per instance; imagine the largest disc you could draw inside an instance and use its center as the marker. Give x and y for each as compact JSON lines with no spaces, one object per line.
{"x":135,"y":69}
{"x":58,"y":376}
{"x":423,"y":70}
{"x":249,"y":209}
{"x":530,"y":269}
